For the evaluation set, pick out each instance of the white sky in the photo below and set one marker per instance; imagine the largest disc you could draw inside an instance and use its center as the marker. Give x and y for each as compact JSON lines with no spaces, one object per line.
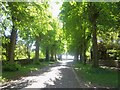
{"x":55,"y":8}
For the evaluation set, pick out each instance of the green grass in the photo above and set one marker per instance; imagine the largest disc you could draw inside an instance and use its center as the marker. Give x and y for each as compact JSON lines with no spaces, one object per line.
{"x":24,"y":70}
{"x":97,"y":76}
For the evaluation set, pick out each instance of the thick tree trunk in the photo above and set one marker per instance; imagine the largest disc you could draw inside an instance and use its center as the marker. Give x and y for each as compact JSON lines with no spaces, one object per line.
{"x":84,"y":56}
{"x":28,"y":53}
{"x":84,"y":53}
{"x":84,"y":48}
{"x":47,"y":53}
{"x":12,"y":44}
{"x":52,"y":55}
{"x":95,"y":49}
{"x":76,"y":56}
{"x":52,"y":52}
{"x":81,"y":52}
{"x":93,"y":15}
{"x":81,"y":57}
{"x":37,"y":49}
{"x":55,"y":56}
{"x":13,"y":36}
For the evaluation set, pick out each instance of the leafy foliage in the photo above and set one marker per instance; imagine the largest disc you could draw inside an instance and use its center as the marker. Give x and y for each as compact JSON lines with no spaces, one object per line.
{"x":80,"y":20}
{"x":11,"y":66}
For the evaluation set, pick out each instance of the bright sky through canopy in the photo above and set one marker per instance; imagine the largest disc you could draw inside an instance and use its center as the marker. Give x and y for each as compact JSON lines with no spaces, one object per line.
{"x":55,"y":8}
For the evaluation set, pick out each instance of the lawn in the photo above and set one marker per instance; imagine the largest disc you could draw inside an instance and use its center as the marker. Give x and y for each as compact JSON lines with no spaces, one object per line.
{"x":97,"y":76}
{"x":24,"y":70}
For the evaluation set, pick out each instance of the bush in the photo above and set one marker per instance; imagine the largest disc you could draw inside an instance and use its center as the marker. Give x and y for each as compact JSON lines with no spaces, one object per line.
{"x":37,"y":62}
{"x":11,"y":66}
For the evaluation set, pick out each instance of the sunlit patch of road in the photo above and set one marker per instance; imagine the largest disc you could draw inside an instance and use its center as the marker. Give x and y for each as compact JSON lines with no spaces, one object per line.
{"x":48,"y":77}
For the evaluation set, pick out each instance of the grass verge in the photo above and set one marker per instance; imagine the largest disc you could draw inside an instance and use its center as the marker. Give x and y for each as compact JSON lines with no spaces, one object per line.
{"x":24,"y":70}
{"x":97,"y":76}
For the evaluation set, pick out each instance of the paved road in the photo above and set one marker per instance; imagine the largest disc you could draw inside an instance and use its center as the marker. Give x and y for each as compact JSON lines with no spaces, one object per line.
{"x":59,"y":75}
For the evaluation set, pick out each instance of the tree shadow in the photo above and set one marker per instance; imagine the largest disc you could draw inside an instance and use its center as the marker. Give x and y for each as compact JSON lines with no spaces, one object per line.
{"x":38,"y":79}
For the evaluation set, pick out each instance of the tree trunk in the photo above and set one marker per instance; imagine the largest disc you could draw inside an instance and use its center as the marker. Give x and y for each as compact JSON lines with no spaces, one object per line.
{"x":37,"y":49}
{"x":28,"y":53}
{"x":55,"y":56}
{"x":47,"y":53}
{"x":52,"y":54}
{"x":52,"y":57}
{"x":81,"y":52}
{"x":84,"y":53}
{"x":93,"y":15}
{"x":12,"y":44}
{"x":95,"y":49}
{"x":84,"y":56}
{"x":81,"y":58}
{"x":84,"y":47}
{"x":76,"y":56}
{"x":13,"y":36}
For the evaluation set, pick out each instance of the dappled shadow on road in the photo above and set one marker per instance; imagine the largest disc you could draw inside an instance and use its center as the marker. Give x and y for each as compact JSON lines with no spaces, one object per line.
{"x":68,"y":79}
{"x":42,"y":78}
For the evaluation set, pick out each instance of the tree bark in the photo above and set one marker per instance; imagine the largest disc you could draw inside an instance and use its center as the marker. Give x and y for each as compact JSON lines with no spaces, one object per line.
{"x":47,"y":53}
{"x":95,"y":48}
{"x":93,"y":15}
{"x":12,"y":44}
{"x":84,"y":53}
{"x":28,"y":53}
{"x":81,"y":57}
{"x":84,"y":47}
{"x":52,"y":57}
{"x":37,"y":49}
{"x":84,"y":56}
{"x":13,"y":36}
{"x":55,"y":56}
{"x":76,"y":55}
{"x":81,"y":52}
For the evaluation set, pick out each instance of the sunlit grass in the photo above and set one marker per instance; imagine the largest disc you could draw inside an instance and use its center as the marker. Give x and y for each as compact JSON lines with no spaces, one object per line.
{"x":24,"y":70}
{"x":97,"y":76}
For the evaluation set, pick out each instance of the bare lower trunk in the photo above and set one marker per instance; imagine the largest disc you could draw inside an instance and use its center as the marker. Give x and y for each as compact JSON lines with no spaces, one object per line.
{"x":76,"y":56}
{"x":81,"y":56}
{"x":95,"y":49}
{"x":52,"y":57}
{"x":47,"y":53}
{"x":84,"y":53}
{"x":28,"y":53}
{"x":55,"y":56}
{"x":84,"y":48}
{"x":37,"y":50}
{"x":12,"y":44}
{"x":93,"y":15}
{"x":84,"y":56}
